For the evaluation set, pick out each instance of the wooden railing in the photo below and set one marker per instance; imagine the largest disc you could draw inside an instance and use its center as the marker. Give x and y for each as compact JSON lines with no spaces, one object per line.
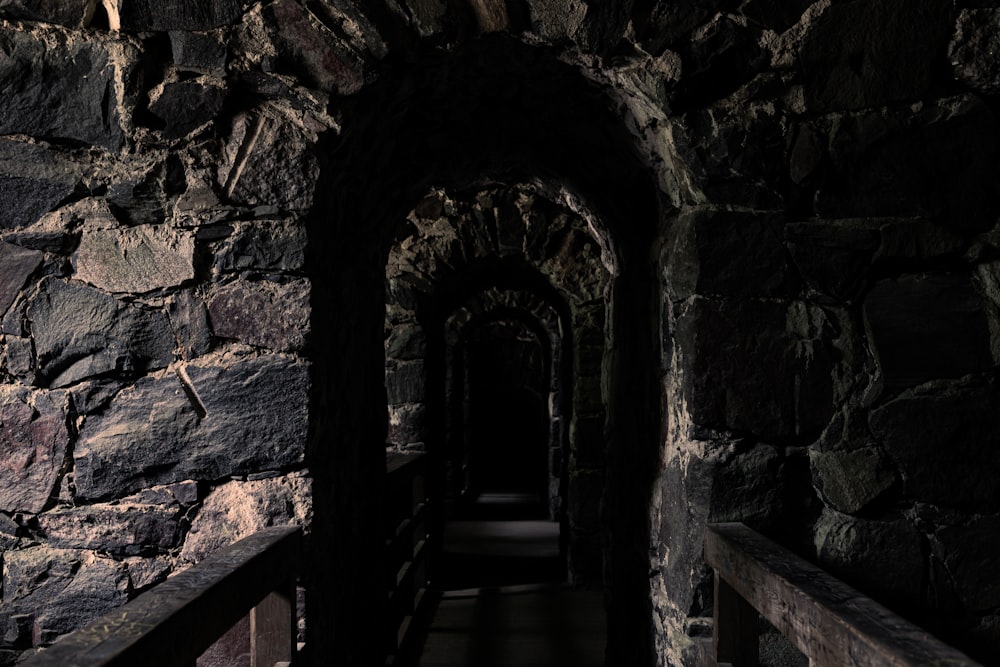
{"x":828,"y":621}
{"x":172,"y":624}
{"x":407,"y":545}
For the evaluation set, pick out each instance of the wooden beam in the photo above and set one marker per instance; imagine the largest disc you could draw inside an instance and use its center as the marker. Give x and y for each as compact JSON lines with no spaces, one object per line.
{"x":173,"y":623}
{"x":272,"y":628}
{"x":735,"y":639}
{"x":824,"y":618}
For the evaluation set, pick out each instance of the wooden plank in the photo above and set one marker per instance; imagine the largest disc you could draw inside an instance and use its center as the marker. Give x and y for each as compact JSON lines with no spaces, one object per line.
{"x":175,"y":622}
{"x":824,"y":618}
{"x":735,"y":639}
{"x":272,"y":628}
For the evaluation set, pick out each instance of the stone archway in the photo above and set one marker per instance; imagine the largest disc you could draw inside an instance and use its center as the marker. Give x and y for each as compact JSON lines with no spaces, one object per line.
{"x":460,"y":246}
{"x":499,"y":110}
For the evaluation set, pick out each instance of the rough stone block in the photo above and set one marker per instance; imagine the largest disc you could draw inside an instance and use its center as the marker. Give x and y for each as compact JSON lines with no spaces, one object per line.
{"x":218,"y":421}
{"x":732,"y":253}
{"x":262,"y":245}
{"x":936,"y":162}
{"x":20,"y":360}
{"x":238,"y":509}
{"x":404,"y":382}
{"x":164,"y":15}
{"x":747,"y":488}
{"x":198,"y":52}
{"x":974,"y":49}
{"x":924,"y":327}
{"x":720,"y":56}
{"x":916,"y":239}
{"x":272,"y":167}
{"x":849,"y":481}
{"x":777,"y":15}
{"x":148,"y":196}
{"x":968,"y":553}
{"x":16,"y":264}
{"x":121,"y":529}
{"x":189,"y":320}
{"x":833,"y":256}
{"x":81,"y":332}
{"x":882,"y":559}
{"x":406,"y":424}
{"x":186,"y":106}
{"x":135,"y":259}
{"x":428,"y":15}
{"x":52,"y":85}
{"x":63,"y":589}
{"x":946,"y":445}
{"x":33,"y":181}
{"x":264,"y":314}
{"x":33,"y":443}
{"x":406,"y":342}
{"x":70,"y":13}
{"x":311,"y":51}
{"x":762,"y":367}
{"x":146,"y":572}
{"x":867,"y":53}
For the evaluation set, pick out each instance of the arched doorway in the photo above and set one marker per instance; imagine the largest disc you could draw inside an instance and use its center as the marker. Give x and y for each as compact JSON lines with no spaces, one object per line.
{"x":498,"y":109}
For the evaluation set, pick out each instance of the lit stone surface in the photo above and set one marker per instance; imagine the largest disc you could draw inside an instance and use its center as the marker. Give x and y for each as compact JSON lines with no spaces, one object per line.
{"x":135,"y":259}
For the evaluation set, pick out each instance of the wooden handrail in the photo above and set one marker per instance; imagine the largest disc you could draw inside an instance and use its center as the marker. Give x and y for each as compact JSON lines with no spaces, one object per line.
{"x":833,"y":624}
{"x":407,"y":535}
{"x":175,"y":622}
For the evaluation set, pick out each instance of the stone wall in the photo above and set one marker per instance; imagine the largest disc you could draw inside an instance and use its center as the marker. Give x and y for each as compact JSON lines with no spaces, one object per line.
{"x":155,"y":308}
{"x":799,"y":199}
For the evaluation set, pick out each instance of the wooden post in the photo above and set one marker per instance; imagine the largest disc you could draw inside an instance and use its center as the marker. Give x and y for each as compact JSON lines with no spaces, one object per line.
{"x":735,"y":635}
{"x":272,"y":628}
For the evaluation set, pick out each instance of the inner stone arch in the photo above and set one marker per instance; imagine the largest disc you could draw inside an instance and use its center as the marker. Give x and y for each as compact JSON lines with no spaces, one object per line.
{"x":503,"y":254}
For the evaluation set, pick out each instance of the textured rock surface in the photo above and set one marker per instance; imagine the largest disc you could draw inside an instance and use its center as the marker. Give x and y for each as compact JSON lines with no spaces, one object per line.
{"x":311,"y":50}
{"x":263,"y":245}
{"x":61,"y":589}
{"x":33,"y":180}
{"x":80,"y":332}
{"x":727,"y":253}
{"x":146,"y":15}
{"x":974,"y":48}
{"x":271,"y":165}
{"x":927,"y":326}
{"x":186,"y":106}
{"x":739,"y":355}
{"x":883,"y":558}
{"x":16,"y":264}
{"x":135,"y":259}
{"x":941,"y":442}
{"x":264,"y":314}
{"x":851,"y":480}
{"x":189,"y":320}
{"x":33,"y":443}
{"x":217,"y":422}
{"x":238,"y":509}
{"x":198,"y":52}
{"x":52,"y":87}
{"x":761,"y":237}
{"x":869,"y":53}
{"x":968,"y":551}
{"x":125,"y":528}
{"x":70,"y":13}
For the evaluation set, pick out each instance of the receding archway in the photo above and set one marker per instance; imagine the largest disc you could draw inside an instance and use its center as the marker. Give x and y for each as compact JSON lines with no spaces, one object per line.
{"x":494,"y":108}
